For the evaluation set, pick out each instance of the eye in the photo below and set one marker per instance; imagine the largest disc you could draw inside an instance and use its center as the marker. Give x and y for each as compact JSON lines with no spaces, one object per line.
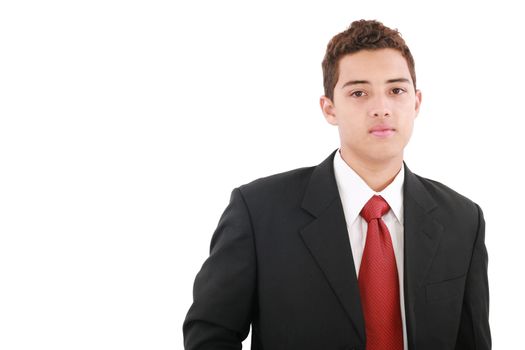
{"x":398,"y":91}
{"x":358,"y":93}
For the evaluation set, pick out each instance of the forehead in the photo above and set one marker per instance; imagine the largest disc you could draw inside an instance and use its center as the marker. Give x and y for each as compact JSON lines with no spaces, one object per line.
{"x":373,"y":65}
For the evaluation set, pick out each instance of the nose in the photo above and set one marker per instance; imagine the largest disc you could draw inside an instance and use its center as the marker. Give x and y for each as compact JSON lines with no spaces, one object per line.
{"x":380,"y":108}
{"x":381,"y":113}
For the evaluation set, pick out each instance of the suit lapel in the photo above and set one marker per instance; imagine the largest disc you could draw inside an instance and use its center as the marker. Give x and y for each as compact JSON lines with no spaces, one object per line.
{"x":422,"y":237}
{"x":326,"y":237}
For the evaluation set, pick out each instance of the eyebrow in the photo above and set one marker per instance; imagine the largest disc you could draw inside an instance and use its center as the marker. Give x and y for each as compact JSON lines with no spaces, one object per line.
{"x":355,"y":82}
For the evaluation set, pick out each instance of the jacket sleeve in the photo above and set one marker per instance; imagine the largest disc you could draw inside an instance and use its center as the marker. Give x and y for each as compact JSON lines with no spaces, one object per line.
{"x":474,"y":330}
{"x":223,"y":292}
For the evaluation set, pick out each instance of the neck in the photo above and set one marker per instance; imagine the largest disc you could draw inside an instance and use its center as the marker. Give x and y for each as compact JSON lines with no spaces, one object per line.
{"x":377,"y":174}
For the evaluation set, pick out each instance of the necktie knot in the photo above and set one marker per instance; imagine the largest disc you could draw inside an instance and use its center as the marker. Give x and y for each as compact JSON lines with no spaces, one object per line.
{"x":375,"y":208}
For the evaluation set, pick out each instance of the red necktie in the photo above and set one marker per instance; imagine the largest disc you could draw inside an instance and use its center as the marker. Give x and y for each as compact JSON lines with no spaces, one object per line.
{"x":378,"y":282}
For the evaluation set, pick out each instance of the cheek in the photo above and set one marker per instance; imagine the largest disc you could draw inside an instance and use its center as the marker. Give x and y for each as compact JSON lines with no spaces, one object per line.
{"x":406,"y":126}
{"x":408,"y":106}
{"x":353,"y":125}
{"x":406,"y":113}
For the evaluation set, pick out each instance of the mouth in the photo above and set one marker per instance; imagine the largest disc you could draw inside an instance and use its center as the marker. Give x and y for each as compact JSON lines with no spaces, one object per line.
{"x":382,"y":131}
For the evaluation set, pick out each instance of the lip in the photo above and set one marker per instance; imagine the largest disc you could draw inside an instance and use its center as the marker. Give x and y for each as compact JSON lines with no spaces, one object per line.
{"x":382,"y":130}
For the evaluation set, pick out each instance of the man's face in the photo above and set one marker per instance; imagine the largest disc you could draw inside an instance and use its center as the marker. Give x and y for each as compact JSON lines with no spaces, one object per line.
{"x":374,"y":106}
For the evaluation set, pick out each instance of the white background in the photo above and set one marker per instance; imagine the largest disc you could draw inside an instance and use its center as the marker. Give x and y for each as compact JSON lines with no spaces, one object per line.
{"x":124,"y":126}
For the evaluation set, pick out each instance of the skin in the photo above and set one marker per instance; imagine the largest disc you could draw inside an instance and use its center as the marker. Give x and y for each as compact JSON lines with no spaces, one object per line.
{"x":374,"y":107}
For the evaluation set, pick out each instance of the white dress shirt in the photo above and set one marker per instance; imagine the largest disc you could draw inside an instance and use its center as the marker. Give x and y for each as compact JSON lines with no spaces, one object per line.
{"x":354,"y":193}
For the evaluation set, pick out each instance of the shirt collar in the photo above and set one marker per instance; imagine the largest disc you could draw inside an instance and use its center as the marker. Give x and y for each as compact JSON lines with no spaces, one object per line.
{"x":354,"y":191}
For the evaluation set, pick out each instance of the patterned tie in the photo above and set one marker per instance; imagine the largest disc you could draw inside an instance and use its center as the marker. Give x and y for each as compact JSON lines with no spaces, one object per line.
{"x":378,"y":282}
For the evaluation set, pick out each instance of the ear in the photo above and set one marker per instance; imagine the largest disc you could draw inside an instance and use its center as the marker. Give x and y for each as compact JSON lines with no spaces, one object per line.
{"x":419,"y":97}
{"x":328,"y":108}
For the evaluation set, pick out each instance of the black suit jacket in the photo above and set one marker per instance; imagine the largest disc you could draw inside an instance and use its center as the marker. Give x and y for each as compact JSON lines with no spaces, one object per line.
{"x":281,"y":261}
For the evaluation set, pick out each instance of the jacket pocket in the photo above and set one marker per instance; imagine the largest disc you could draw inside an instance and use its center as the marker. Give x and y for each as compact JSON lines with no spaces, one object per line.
{"x":447,"y":289}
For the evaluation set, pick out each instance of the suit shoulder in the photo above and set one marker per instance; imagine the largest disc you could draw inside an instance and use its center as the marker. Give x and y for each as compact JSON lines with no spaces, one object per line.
{"x":446,"y":196}
{"x":281,"y":183}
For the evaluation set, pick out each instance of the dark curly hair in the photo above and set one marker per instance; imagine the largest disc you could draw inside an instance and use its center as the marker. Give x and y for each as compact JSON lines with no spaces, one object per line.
{"x":361,"y":35}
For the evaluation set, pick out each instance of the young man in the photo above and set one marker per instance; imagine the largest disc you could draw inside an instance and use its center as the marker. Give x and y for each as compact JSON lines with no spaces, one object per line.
{"x":357,"y":252}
